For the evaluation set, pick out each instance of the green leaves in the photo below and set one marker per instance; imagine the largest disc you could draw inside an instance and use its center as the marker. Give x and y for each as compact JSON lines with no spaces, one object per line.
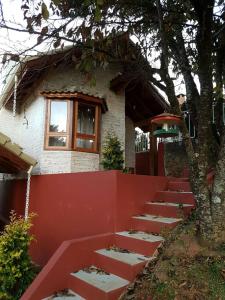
{"x":98,"y":14}
{"x":56,"y":2}
{"x":16,"y":268}
{"x":44,"y":11}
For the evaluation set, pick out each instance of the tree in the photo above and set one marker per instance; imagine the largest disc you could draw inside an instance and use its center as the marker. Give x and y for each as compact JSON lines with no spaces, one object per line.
{"x":112,"y":153}
{"x":186,"y":38}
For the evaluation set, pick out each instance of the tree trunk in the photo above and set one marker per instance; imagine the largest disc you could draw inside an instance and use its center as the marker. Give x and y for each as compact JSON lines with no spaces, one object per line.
{"x":218,"y":193}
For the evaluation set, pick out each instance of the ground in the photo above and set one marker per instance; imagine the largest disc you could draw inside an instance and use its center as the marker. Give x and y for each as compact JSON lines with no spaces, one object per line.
{"x":184,"y":269}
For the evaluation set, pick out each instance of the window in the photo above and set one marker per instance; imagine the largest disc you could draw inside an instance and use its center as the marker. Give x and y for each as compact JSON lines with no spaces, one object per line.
{"x":73,"y":124}
{"x":57,"y":124}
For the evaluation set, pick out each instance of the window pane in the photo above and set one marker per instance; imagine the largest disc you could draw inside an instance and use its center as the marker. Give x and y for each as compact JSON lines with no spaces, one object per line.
{"x":86,"y":119}
{"x":58,"y":118}
{"x":57,"y":141}
{"x":87,"y":144}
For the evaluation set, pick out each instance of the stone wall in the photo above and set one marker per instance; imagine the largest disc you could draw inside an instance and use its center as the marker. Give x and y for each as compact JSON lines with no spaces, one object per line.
{"x":175,"y":159}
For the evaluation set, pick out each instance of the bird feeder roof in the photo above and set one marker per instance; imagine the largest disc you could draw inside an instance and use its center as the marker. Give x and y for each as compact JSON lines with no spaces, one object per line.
{"x":166,"y":118}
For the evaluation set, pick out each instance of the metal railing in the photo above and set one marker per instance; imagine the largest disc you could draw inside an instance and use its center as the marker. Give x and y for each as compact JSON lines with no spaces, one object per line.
{"x":142,"y":141}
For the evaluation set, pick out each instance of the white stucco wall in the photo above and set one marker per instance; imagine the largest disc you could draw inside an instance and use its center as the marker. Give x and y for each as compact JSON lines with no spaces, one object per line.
{"x":31,"y":136}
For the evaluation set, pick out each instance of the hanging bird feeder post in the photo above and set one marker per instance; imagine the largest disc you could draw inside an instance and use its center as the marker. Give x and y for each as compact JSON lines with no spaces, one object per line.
{"x":161,"y":126}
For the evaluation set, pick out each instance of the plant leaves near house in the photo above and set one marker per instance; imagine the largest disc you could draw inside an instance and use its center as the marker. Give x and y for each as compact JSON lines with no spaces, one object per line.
{"x":16,"y":268}
{"x":113,"y":158}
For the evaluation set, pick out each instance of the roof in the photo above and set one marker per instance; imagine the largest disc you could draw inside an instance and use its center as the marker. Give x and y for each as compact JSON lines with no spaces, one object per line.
{"x":78,"y":92}
{"x":142,"y":98}
{"x":30,"y":70}
{"x":143,"y":101}
{"x":12,"y":157}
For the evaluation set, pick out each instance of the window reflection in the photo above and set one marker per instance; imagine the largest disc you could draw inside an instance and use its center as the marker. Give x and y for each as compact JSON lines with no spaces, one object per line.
{"x":57,"y":141}
{"x":86,"y":144}
{"x":86,"y":119}
{"x":58,"y":117}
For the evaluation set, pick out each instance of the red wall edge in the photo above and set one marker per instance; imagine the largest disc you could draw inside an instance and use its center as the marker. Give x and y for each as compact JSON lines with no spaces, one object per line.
{"x":70,"y":256}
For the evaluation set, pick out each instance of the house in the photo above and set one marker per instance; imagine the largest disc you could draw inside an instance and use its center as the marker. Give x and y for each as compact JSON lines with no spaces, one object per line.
{"x":58,"y":133}
{"x":61,"y":120}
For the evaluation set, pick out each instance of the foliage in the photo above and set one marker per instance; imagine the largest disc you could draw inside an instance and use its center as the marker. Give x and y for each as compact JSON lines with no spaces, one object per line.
{"x":16,"y":268}
{"x":112,"y":153}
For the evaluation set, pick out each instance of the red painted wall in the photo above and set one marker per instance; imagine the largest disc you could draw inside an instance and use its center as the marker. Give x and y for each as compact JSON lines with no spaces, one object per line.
{"x":142,"y":163}
{"x":70,"y":206}
{"x":161,"y":167}
{"x":132,"y":193}
{"x":56,"y":273}
{"x":89,"y":205}
{"x":77,"y":205}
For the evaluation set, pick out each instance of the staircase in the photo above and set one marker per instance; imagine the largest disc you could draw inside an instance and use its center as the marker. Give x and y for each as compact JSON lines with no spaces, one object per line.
{"x":116,"y":265}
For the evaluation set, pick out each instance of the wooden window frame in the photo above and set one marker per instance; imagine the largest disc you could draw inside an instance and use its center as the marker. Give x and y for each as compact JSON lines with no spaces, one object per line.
{"x":49,"y":134}
{"x":72,"y":118}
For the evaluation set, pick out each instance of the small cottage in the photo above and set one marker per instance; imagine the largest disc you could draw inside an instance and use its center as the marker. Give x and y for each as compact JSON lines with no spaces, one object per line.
{"x":60,"y":118}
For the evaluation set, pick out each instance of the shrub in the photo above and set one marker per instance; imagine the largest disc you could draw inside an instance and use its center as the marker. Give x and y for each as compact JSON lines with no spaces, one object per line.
{"x":16,"y":268}
{"x":112,"y":153}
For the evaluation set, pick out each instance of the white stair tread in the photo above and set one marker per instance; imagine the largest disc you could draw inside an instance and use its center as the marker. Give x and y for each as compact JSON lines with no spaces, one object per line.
{"x":71,"y":296}
{"x":130,"y":258}
{"x":104,"y":282}
{"x":157,"y":219}
{"x":175,"y":192}
{"x":140,"y":235}
{"x":170,"y":204}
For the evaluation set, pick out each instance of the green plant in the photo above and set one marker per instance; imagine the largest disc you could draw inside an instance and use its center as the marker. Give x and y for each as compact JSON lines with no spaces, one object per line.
{"x":16,"y":268}
{"x":112,"y":153}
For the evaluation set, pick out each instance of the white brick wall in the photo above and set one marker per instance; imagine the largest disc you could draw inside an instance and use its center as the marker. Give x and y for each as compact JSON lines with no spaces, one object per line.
{"x":31,"y":136}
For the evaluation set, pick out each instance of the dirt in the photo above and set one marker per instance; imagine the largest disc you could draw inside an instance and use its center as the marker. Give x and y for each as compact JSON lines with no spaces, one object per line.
{"x":185,"y":270}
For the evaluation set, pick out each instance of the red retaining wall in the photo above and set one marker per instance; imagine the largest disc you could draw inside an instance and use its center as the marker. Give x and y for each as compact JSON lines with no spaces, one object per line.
{"x":78,"y":213}
{"x":56,"y":273}
{"x":78,"y":205}
{"x":142,"y":163}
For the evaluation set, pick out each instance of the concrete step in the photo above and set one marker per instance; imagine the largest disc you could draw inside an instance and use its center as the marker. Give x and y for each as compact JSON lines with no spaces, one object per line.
{"x":153,"y":223}
{"x":179,"y":186}
{"x":121,"y":262}
{"x":168,"y":209}
{"x":95,"y":284}
{"x":175,"y":197}
{"x":138,"y":241}
{"x":70,"y":295}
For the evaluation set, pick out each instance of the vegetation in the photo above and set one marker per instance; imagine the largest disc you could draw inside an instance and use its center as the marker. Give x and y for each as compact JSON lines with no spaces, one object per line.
{"x":112,"y":153}
{"x":16,"y":268}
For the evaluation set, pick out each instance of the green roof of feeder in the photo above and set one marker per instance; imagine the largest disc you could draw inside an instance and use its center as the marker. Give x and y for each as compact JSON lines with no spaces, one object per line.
{"x":162,"y":133}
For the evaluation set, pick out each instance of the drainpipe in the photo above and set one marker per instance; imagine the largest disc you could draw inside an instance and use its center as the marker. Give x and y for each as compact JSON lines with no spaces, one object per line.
{"x":28,"y":192}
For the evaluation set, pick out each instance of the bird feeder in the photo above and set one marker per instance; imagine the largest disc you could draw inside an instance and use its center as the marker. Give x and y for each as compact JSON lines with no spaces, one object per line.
{"x":166,"y":125}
